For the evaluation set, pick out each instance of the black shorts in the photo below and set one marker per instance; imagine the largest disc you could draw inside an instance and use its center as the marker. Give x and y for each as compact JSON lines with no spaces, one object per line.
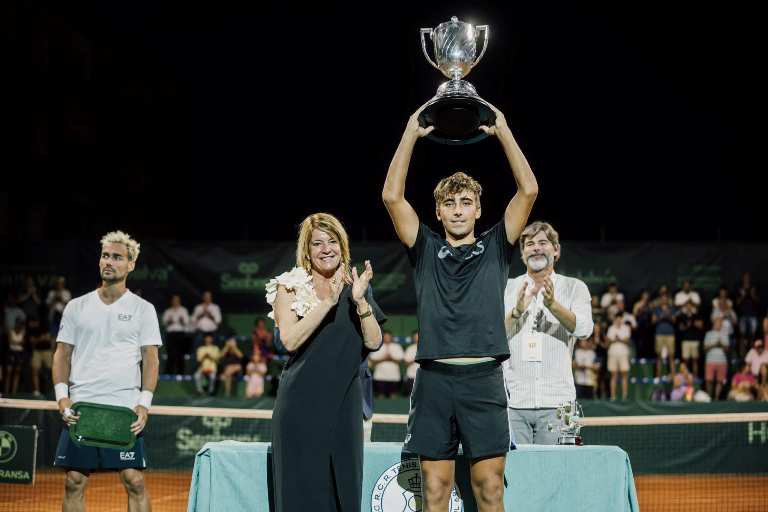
{"x":70,"y":455}
{"x":458,"y":403}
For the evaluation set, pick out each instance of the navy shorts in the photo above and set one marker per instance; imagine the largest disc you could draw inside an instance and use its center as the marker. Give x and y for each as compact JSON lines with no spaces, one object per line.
{"x":70,"y":455}
{"x":458,"y":403}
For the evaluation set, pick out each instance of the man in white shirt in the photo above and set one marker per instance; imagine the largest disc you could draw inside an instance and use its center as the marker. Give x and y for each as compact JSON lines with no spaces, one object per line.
{"x":176,"y":322}
{"x":206,"y":317}
{"x":610,"y":300}
{"x":545,"y":314}
{"x":686,"y":295}
{"x":104,"y":336}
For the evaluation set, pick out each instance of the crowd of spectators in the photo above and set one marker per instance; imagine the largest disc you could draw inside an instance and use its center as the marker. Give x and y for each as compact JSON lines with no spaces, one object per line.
{"x":30,"y":323}
{"x":692,"y":343}
{"x":195,"y":345}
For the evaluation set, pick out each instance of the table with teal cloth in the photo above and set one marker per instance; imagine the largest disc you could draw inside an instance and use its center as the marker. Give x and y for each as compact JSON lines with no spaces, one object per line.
{"x":234,"y":476}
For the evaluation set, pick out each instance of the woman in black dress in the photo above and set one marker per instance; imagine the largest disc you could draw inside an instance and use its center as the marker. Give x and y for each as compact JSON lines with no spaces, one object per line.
{"x":329,"y":322}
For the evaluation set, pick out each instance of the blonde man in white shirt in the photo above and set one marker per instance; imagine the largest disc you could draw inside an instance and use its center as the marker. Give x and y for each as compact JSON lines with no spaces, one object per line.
{"x":105,"y":335}
{"x":545,"y":314}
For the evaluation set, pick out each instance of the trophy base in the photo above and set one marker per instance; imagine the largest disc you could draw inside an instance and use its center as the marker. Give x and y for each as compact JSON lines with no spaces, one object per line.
{"x":570,"y":440}
{"x":456,"y":112}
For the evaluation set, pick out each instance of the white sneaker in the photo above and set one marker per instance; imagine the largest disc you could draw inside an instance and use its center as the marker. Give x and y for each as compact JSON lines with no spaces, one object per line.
{"x":37,"y":393}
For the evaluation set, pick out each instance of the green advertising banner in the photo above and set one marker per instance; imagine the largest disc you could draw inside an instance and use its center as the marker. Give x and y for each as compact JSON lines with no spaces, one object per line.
{"x":236,"y":272}
{"x":18,"y":451}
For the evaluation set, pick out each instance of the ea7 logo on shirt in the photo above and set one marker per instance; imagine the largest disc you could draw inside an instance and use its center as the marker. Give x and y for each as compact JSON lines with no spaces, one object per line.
{"x":127,"y":455}
{"x":123,"y":317}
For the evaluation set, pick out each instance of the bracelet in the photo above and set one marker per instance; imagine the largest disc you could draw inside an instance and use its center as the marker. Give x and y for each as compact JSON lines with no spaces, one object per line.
{"x":366,"y":314}
{"x":145,"y":399}
{"x":61,"y":390}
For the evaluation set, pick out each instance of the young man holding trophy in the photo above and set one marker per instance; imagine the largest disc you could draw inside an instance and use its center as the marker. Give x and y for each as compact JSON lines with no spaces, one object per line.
{"x":459,"y":394}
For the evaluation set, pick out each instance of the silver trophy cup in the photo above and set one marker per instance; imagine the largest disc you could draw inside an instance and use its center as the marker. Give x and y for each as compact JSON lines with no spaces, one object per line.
{"x":569,"y":427}
{"x":456,"y":111}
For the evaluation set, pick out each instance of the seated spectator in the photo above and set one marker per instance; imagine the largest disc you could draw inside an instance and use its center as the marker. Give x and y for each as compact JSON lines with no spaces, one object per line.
{"x":690,"y":327}
{"x":410,"y":359}
{"x":664,"y":321}
{"x":762,"y":383}
{"x":263,"y":339}
{"x":585,"y":367}
{"x":716,"y":348}
{"x":686,"y":295}
{"x":207,"y":359}
{"x":16,"y":357}
{"x":743,"y":385}
{"x":231,"y":364}
{"x":682,"y":385}
{"x":757,"y":356}
{"x":618,"y":337}
{"x":386,"y":366}
{"x":255,"y":371}
{"x":42,"y":351}
{"x":57,"y":299}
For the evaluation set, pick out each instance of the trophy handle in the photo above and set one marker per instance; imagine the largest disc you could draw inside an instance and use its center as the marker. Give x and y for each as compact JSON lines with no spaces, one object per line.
{"x":484,"y":28}
{"x":424,"y":45}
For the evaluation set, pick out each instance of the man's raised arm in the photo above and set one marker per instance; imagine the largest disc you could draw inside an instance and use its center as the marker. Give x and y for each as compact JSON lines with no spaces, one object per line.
{"x":403,"y":215}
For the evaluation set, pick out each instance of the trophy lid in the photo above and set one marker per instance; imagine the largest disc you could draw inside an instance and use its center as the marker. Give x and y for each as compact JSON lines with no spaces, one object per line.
{"x":453,"y":21}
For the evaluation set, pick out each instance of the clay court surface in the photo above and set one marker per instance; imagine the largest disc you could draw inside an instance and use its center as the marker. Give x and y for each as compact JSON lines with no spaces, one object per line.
{"x":169,"y":491}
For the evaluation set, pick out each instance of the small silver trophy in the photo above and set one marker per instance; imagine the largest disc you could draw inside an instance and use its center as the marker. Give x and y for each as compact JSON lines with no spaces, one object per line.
{"x":456,"y":111}
{"x":569,"y":428}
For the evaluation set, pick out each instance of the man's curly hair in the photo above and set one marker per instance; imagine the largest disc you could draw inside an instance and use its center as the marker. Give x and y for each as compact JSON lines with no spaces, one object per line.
{"x":457,"y":182}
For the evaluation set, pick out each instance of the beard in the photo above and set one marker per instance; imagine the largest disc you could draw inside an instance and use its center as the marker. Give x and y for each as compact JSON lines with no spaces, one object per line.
{"x":538,"y":262}
{"x":111,"y":278}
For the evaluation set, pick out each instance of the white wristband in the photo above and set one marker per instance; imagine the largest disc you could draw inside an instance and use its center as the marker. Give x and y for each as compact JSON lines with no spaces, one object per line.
{"x":61,"y":390}
{"x":145,"y":399}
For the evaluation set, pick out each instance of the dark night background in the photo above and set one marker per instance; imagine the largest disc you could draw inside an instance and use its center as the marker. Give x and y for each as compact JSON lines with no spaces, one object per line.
{"x":641,"y":120}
